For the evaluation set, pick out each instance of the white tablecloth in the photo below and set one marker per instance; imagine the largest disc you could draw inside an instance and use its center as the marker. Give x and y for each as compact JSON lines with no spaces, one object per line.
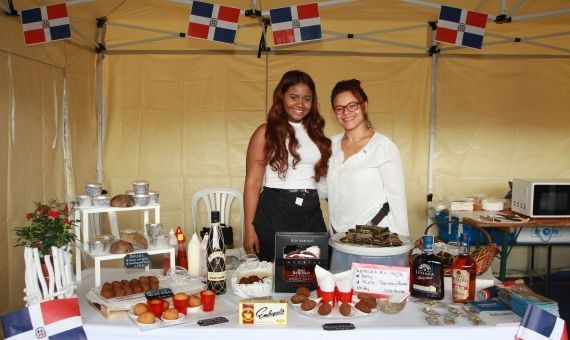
{"x":408,"y":324}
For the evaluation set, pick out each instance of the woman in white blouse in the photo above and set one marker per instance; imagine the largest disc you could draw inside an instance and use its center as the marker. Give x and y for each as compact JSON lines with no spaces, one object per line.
{"x":365,"y":169}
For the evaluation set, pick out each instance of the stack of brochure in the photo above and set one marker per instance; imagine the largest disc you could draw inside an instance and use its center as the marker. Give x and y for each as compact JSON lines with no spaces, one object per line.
{"x":518,"y":297}
{"x":493,"y":312}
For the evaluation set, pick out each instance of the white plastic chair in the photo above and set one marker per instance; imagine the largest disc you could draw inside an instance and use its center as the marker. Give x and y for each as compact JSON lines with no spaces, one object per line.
{"x":221,"y":199}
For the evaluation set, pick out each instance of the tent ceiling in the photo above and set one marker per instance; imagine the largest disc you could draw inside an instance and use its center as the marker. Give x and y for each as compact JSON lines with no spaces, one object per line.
{"x":160,"y":21}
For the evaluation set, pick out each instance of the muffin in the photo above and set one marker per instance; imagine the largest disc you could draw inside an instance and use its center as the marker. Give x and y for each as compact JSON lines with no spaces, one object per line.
{"x":139,"y":309}
{"x":325,"y":309}
{"x":108,"y":293}
{"x":194,"y":301}
{"x":308,"y":305}
{"x":146,"y":318}
{"x":170,"y":314}
{"x":180,"y":296}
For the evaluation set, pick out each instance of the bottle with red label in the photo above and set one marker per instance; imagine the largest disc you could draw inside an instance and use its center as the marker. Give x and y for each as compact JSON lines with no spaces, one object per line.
{"x":464,"y":271}
{"x":181,"y":257}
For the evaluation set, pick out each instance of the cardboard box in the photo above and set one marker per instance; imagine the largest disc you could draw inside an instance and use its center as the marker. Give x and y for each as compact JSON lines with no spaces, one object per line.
{"x":296,"y":255}
{"x":262,"y":312}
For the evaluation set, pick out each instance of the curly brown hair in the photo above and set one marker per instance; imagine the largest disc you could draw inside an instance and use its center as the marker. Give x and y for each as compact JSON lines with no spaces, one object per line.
{"x":278,"y":128}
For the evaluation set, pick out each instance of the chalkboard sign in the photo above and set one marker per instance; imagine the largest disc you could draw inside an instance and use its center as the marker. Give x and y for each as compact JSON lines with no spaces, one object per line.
{"x":161,"y":293}
{"x":137,"y":260}
{"x":380,"y":280}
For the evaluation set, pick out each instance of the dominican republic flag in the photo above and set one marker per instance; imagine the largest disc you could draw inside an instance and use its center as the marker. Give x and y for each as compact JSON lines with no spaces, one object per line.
{"x":213,"y":22}
{"x":45,"y":24}
{"x":539,"y":324}
{"x":54,"y":320}
{"x":461,"y":27}
{"x":295,"y":24}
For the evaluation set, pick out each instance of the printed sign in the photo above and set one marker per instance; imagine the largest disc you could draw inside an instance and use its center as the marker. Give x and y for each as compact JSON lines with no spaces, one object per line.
{"x":137,"y":260}
{"x":159,"y":293}
{"x":380,"y":280}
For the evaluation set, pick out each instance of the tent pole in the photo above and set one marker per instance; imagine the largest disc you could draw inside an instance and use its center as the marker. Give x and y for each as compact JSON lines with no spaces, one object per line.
{"x":99,"y":98}
{"x":433,"y":110}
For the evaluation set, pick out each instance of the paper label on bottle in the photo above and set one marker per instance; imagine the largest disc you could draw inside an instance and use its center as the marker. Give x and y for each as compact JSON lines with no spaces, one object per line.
{"x":216,"y":276}
{"x":460,"y":284}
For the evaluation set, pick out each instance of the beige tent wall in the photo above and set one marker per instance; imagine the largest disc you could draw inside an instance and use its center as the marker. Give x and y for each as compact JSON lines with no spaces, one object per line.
{"x":499,"y":119}
{"x":31,"y":170}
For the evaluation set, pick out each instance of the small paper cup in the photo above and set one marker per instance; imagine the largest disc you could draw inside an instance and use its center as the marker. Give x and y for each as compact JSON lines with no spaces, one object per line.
{"x":208,"y":298}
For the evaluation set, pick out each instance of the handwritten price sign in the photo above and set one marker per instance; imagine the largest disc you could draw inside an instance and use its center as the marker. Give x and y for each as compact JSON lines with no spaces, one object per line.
{"x":380,"y":280}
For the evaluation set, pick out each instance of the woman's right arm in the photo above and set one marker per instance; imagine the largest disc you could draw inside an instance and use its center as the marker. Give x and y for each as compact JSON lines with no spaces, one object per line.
{"x":254,"y":172}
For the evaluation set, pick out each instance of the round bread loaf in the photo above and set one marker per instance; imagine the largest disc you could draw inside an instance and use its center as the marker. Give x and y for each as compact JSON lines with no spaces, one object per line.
{"x":136,"y":239}
{"x":121,"y":247}
{"x":123,"y":201}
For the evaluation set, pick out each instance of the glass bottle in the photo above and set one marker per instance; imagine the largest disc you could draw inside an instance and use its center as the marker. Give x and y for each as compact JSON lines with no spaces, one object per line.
{"x":216,"y":260}
{"x":463,"y":273}
{"x":427,"y":273}
{"x":181,"y":257}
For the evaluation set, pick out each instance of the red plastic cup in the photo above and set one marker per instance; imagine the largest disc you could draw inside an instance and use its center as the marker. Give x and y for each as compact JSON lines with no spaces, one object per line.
{"x":343,"y":297}
{"x":181,"y":303}
{"x":208,"y":298}
{"x":326,"y":296}
{"x":156,"y":306}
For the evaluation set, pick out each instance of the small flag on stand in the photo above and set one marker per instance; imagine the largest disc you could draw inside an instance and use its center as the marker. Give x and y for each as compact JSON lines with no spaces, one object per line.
{"x":295,"y":24}
{"x":213,"y":22}
{"x":461,"y":27}
{"x":54,"y":319}
{"x":539,"y":324}
{"x":45,"y":24}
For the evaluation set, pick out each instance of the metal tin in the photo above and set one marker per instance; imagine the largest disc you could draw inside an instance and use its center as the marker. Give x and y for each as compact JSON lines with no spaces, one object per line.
{"x":93,"y":189}
{"x":140,"y":187}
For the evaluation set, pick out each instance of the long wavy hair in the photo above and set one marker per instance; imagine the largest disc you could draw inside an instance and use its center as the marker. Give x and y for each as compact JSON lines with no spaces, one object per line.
{"x":352,"y":86}
{"x":278,"y":129}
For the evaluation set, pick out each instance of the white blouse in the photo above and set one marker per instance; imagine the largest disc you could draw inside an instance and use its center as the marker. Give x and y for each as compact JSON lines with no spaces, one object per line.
{"x":303,"y":175}
{"x":358,"y":187}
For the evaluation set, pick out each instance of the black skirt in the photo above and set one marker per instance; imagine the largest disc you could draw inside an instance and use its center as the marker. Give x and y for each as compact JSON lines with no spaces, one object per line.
{"x":286,"y":211}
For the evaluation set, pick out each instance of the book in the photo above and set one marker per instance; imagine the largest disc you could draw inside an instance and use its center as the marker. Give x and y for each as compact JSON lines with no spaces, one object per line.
{"x":493,"y":312}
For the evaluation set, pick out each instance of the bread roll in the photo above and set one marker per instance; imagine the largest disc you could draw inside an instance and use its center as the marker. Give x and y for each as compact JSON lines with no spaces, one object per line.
{"x":121,"y":247}
{"x":136,"y":239}
{"x":123,"y":201}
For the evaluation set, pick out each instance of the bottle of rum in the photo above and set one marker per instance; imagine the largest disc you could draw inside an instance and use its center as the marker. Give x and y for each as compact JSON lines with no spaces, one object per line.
{"x":464,"y":271}
{"x":427,"y":273}
{"x":216,"y":256}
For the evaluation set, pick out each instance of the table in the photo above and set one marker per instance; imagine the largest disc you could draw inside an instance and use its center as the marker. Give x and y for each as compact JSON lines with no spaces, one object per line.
{"x":406,"y":325}
{"x":506,"y":227}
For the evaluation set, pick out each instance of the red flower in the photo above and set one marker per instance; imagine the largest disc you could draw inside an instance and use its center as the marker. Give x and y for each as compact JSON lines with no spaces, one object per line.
{"x":66,"y":209}
{"x":39,"y":245}
{"x":43,"y":208}
{"x":53,"y":213}
{"x":29,"y":216}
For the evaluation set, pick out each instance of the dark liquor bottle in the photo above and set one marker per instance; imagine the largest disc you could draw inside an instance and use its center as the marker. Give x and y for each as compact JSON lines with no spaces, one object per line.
{"x":427,"y":273}
{"x":216,"y":256}
{"x":463,"y":273}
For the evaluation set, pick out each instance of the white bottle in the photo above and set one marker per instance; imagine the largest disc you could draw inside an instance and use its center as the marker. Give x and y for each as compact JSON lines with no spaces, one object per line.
{"x":204,"y":255}
{"x":194,"y":255}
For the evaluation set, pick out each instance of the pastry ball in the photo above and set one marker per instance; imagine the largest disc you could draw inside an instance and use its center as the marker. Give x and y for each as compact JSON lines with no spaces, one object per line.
{"x":345,"y":309}
{"x":363,"y":307}
{"x":128,"y":290}
{"x":365,"y":296}
{"x":370,"y":302}
{"x":137,"y":289}
{"x":194,"y":301}
{"x":308,"y":305}
{"x":170,"y":314}
{"x":180,"y":296}
{"x":134,"y":282}
{"x":108,"y":293}
{"x":153,"y":286}
{"x":304,"y":291}
{"x":139,"y":309}
{"x":143,"y":279}
{"x":144,"y":286}
{"x":297,"y":298}
{"x":152,"y":278}
{"x":125,"y":282}
{"x":119,"y":292}
{"x":325,"y":309}
{"x":146,"y":318}
{"x":107,"y":285}
{"x":116,"y":284}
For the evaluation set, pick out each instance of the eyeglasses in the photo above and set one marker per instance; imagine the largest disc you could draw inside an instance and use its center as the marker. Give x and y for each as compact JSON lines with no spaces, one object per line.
{"x":350,"y":107}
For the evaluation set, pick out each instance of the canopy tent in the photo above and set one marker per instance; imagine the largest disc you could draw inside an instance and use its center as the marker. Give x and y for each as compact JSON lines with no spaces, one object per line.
{"x":179,"y":111}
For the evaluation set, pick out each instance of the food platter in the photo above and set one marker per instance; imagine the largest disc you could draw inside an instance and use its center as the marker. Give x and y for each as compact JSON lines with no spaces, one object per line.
{"x":335,"y":312}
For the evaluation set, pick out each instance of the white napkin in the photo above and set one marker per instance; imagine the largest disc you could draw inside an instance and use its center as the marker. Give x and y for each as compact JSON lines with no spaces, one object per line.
{"x":325,"y":279}
{"x":344,"y":281}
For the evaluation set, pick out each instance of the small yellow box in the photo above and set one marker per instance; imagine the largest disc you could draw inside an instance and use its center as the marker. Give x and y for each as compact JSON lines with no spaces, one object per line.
{"x":262,"y":312}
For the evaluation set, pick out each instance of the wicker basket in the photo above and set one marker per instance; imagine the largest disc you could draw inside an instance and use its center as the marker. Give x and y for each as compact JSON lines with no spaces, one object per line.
{"x":483,"y":256}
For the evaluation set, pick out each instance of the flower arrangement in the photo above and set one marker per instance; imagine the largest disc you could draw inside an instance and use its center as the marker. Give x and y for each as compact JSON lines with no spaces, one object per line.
{"x":48,"y":225}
